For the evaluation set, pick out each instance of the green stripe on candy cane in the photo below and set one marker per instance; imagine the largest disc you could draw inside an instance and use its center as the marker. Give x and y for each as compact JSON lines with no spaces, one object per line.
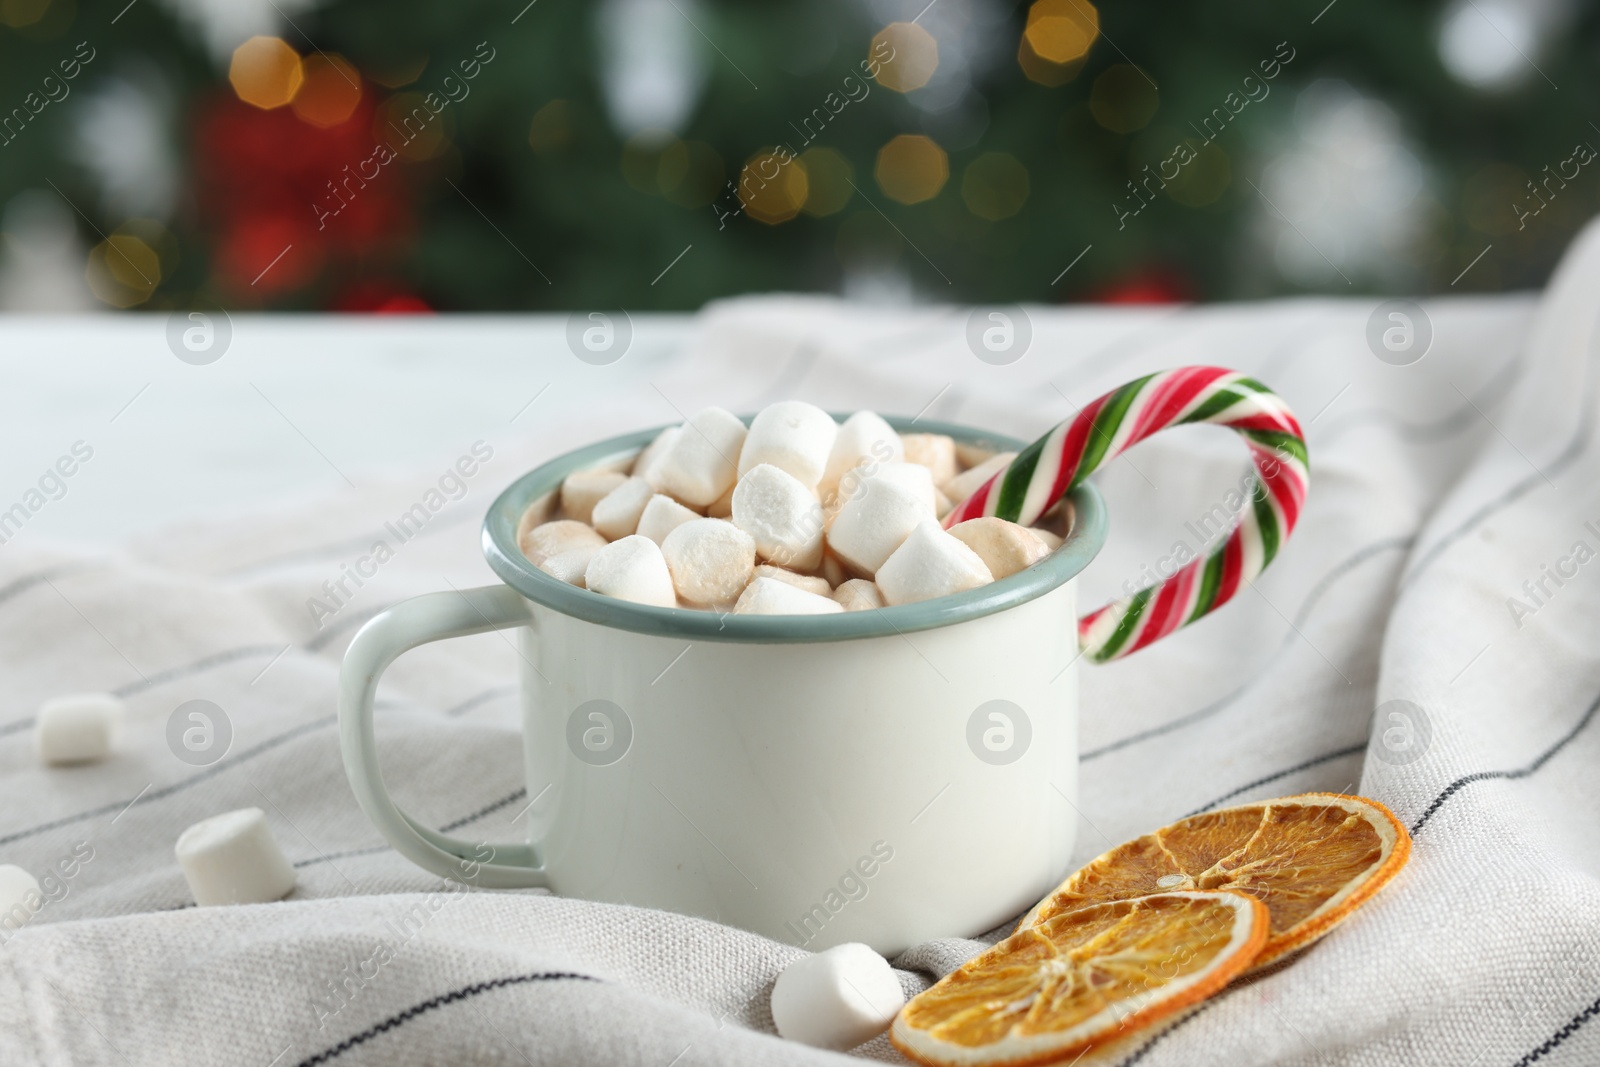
{"x":1048,"y":468}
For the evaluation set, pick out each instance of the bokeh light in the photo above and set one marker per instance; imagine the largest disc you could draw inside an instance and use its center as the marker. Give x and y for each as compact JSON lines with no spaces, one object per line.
{"x":914,"y":56}
{"x":995,"y":186}
{"x":912,"y":168}
{"x":19,"y":13}
{"x":551,"y":129}
{"x":1123,"y":99}
{"x":1061,"y":31}
{"x":829,"y":175}
{"x":123,"y":270}
{"x":772,"y":190}
{"x":330,"y":89}
{"x":689,"y":174}
{"x":1203,"y":179}
{"x":265,"y":72}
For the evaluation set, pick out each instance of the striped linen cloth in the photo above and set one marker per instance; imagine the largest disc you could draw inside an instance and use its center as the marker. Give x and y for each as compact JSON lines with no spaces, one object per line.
{"x":1428,"y":638}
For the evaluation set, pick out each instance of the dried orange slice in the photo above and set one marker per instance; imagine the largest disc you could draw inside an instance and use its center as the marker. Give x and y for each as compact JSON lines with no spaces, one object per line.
{"x":1311,"y":859}
{"x":1082,"y":978}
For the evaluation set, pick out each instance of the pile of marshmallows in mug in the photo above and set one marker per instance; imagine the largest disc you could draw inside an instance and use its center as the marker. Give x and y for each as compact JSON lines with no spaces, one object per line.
{"x":796,"y":515}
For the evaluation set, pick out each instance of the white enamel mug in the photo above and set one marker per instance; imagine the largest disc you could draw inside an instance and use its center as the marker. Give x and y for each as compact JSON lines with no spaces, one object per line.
{"x":884,"y":776}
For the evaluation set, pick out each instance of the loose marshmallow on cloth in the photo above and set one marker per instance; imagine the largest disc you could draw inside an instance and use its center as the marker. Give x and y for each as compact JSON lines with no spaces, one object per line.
{"x":858,"y":594}
{"x":582,"y":490}
{"x":234,"y":859}
{"x":562,"y":549}
{"x":632,"y":569}
{"x":702,"y":462}
{"x":807,"y":582}
{"x":836,"y":999}
{"x":661,"y":516}
{"x":863,"y":439}
{"x":782,"y":515}
{"x":20,"y":899}
{"x":968,"y":482}
{"x":932,"y":450}
{"x":872,"y":523}
{"x":1004,"y":547}
{"x":711,"y":560}
{"x":769,"y":596}
{"x":616,"y":515}
{"x":793,"y":436}
{"x":930,"y":563}
{"x":77,"y":728}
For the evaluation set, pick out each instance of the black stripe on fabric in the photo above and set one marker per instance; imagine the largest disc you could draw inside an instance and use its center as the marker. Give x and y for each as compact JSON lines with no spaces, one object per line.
{"x":479,"y":699}
{"x":454,"y":996}
{"x":1144,"y":1050}
{"x":1569,"y":455}
{"x":1349,"y":750}
{"x":176,"y":787}
{"x":28,"y":581}
{"x":488,"y":809}
{"x":1301,"y":617}
{"x":329,"y":857}
{"x":1521,"y":772}
{"x":205,"y":663}
{"x":1572,"y":1026}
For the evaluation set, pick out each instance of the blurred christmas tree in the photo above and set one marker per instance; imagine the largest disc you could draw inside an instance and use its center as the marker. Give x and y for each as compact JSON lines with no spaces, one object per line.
{"x":656,"y":154}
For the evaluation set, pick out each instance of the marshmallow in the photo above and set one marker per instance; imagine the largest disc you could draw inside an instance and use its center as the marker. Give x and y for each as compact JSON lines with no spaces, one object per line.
{"x":833,"y":571}
{"x":661,"y":516}
{"x":645,"y":463}
{"x":872,"y":523}
{"x":968,"y":482}
{"x":562,"y":549}
{"x":864,"y":438}
{"x":584,"y":489}
{"x":912,"y":476}
{"x":782,"y":515}
{"x":234,"y":859}
{"x":20,"y":898}
{"x":970,"y":455}
{"x":858,"y":594}
{"x":1004,"y":547}
{"x":810,"y":584}
{"x":617,"y":513}
{"x":1051,"y":541}
{"x":722,"y":507}
{"x":836,"y":999}
{"x":769,"y":596}
{"x":793,"y":436}
{"x":941,"y":503}
{"x":711,"y":560}
{"x":632,"y":569}
{"x":702,"y":462}
{"x":555,"y":538}
{"x":932,"y":450}
{"x":77,"y":728}
{"x":930,"y":563}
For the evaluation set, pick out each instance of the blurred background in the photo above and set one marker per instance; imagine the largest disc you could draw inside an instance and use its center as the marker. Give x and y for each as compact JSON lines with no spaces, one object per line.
{"x":656,"y":154}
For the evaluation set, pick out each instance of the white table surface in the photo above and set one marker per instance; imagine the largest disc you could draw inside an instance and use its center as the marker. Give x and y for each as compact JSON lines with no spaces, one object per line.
{"x":296,"y":405}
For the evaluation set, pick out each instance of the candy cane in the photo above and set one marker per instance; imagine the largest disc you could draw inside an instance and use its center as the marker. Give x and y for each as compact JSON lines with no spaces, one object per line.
{"x":1046,"y":470}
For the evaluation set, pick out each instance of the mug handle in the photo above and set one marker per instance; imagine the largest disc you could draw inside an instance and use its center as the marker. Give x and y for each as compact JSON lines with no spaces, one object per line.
{"x":1053,"y":465}
{"x":431,"y":617}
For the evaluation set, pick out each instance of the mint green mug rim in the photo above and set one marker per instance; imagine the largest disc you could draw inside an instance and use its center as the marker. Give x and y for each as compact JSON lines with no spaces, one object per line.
{"x":1082,"y":544}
